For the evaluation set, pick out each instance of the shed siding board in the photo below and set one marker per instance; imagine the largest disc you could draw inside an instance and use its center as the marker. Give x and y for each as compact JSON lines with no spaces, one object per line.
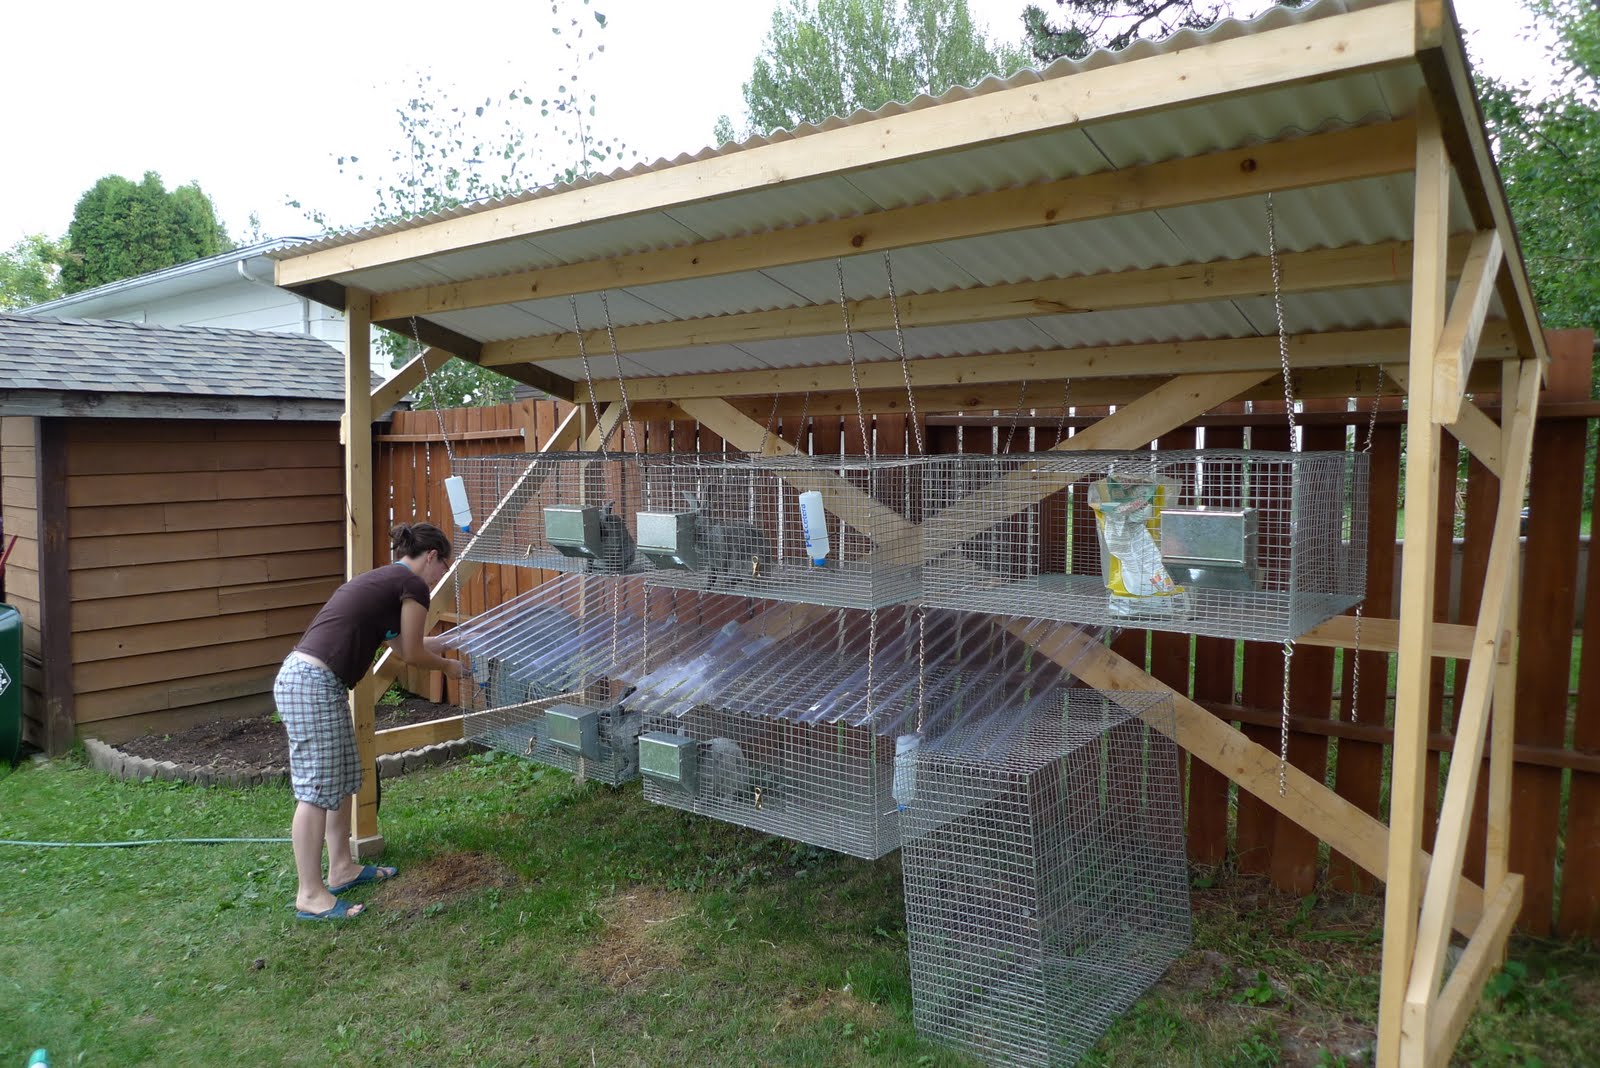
{"x":19,"y":516}
{"x":200,"y":552}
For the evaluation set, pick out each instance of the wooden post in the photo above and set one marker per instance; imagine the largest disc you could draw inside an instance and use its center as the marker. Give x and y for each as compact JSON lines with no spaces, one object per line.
{"x":55,"y":586}
{"x":367,"y":840}
{"x":1404,"y":882}
{"x":1503,"y":723}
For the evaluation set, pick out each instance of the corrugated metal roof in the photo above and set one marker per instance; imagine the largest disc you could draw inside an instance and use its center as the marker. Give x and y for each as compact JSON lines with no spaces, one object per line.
{"x":1341,"y":214}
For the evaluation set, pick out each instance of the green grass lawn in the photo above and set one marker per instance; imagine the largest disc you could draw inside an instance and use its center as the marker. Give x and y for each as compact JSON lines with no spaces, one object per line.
{"x":540,"y":923}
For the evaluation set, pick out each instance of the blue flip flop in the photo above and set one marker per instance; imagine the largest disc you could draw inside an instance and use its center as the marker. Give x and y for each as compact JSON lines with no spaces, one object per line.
{"x":370,"y":873}
{"x":339,"y":911}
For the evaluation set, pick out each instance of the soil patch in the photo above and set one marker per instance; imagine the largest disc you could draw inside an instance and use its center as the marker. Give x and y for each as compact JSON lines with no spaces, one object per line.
{"x":804,"y":1009}
{"x":636,"y":943}
{"x":443,"y":879}
{"x":259,"y":741}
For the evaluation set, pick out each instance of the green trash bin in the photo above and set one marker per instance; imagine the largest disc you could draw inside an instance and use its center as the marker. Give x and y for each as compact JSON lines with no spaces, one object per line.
{"x":10,"y":684}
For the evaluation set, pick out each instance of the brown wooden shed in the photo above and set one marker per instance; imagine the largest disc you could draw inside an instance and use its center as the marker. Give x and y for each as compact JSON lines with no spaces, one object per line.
{"x":177,"y":496}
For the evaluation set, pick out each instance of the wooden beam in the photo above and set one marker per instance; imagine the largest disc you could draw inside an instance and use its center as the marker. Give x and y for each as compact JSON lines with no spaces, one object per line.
{"x":1469,"y":425}
{"x":417,"y":735}
{"x":1348,"y":348}
{"x":1471,"y":720}
{"x":1403,"y":885}
{"x":1485,"y":950}
{"x":1443,"y":60}
{"x":368,"y":839}
{"x":1307,"y":801}
{"x":1374,"y":151}
{"x":1383,"y":636}
{"x":449,"y":343}
{"x":1354,"y":267}
{"x":1458,"y":345}
{"x":1503,"y":725}
{"x":1363,"y":40}
{"x":406,"y":379}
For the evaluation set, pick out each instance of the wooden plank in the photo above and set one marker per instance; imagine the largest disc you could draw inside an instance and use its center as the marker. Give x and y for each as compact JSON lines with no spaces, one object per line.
{"x":417,"y":735}
{"x":1430,"y":225}
{"x":163,"y":696}
{"x":1321,"y":270}
{"x":186,"y":546}
{"x":149,"y":608}
{"x":20,"y":431}
{"x":1361,"y":765}
{"x":55,"y":587}
{"x":506,"y":434}
{"x":205,"y":515}
{"x":97,"y":583}
{"x":110,"y":643}
{"x":1443,"y":554}
{"x":1580,"y":872}
{"x":1362,"y":40}
{"x":405,"y":380}
{"x":1214,"y":680}
{"x":1458,"y":344}
{"x":360,"y":540}
{"x":1433,"y":932}
{"x":1549,"y":602}
{"x":118,"y":458}
{"x":1484,"y":952}
{"x":1252,"y":767}
{"x":179,"y":665}
{"x":1482,"y":498}
{"x":124,"y":728}
{"x":107,"y":490}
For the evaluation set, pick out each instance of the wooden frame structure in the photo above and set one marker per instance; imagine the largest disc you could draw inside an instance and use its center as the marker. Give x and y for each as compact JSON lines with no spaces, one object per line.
{"x":720,"y":270}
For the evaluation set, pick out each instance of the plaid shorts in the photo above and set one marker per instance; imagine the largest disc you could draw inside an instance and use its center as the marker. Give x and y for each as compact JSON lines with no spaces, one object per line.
{"x":315,"y":708}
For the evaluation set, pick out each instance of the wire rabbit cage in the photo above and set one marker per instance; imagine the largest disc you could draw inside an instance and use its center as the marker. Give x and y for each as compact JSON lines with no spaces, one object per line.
{"x":567,"y":511}
{"x":1232,"y":543}
{"x":552,"y":667}
{"x":1046,"y":883}
{"x":797,"y":723}
{"x":835,"y":531}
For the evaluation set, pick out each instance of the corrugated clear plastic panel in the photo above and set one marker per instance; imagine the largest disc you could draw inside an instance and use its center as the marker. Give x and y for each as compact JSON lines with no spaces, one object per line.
{"x":1045,"y":876}
{"x":1232,"y":543}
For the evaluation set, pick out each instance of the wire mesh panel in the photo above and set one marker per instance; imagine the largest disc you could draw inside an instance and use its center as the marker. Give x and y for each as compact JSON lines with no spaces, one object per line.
{"x":553,"y":665}
{"x":556,"y":511}
{"x":1045,"y":879}
{"x":1236,"y":544}
{"x":809,"y":708}
{"x":837,"y":531}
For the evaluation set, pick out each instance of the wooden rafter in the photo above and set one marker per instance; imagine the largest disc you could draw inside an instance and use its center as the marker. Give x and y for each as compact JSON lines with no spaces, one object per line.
{"x":1321,"y":270}
{"x":1458,"y":345}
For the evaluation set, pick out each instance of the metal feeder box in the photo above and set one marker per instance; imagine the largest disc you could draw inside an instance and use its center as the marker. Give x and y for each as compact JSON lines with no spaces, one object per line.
{"x":573,"y":530}
{"x":1213,"y":547}
{"x":669,"y":760}
{"x":574,"y":730}
{"x":667,"y":540}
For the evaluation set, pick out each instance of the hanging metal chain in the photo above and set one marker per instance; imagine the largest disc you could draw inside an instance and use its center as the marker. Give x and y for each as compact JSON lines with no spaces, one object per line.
{"x":1016,"y":416}
{"x":905,"y":366}
{"x":1283,"y":737}
{"x":450,"y":454}
{"x":588,"y":378}
{"x":1361,"y":605}
{"x":1283,"y":333}
{"x":872,"y":659}
{"x":1066,"y":404}
{"x":766,"y":432}
{"x":850,"y":349}
{"x":800,"y":431}
{"x":622,"y":384}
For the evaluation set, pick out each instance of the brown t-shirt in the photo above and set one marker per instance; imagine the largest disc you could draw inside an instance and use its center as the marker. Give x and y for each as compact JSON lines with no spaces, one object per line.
{"x":359,"y":617}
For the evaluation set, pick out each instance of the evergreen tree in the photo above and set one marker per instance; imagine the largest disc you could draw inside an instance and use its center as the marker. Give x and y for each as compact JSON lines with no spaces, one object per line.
{"x":122,"y":228}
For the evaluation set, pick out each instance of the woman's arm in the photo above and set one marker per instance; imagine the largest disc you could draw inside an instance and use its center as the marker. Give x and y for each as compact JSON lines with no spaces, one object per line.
{"x":418,"y":651}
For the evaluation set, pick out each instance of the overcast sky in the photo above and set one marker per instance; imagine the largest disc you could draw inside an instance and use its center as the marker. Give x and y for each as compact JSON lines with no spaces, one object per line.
{"x":255,"y":101}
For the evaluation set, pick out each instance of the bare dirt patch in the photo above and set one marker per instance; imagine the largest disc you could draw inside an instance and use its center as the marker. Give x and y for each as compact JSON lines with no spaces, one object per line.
{"x":443,"y":879}
{"x":637,"y":941}
{"x":259,"y":741}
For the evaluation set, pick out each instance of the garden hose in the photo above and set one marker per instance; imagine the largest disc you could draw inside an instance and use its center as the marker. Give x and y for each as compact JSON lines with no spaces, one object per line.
{"x":137,"y":842}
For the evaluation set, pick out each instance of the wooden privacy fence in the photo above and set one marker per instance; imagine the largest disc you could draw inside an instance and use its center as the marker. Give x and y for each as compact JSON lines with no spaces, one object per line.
{"x":1339,"y":732}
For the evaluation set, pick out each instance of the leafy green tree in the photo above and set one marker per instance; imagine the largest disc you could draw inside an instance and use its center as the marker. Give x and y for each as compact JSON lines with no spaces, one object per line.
{"x":1078,"y":27}
{"x":830,"y":57}
{"x":30,"y":273}
{"x":1547,"y":143}
{"x":122,"y":228}
{"x":449,"y":153}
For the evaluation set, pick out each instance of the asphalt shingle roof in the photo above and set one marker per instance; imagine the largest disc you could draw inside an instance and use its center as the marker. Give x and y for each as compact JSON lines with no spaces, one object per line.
{"x":97,"y":355}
